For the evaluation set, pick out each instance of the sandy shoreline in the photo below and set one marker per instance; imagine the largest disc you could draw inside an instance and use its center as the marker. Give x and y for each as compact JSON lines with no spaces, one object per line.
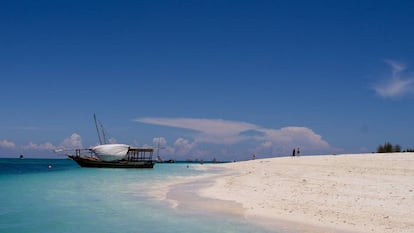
{"x":350,"y":193}
{"x":343,"y":193}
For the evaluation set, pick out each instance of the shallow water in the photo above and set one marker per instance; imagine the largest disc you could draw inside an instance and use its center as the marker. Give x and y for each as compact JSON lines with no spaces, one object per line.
{"x":68,"y":198}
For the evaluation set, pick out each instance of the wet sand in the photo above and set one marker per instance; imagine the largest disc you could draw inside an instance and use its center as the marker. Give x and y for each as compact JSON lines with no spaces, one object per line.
{"x":187,"y":198}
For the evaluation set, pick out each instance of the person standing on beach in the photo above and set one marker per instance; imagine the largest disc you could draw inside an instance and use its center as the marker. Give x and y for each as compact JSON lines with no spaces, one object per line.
{"x":293,"y":153}
{"x":298,"y":152}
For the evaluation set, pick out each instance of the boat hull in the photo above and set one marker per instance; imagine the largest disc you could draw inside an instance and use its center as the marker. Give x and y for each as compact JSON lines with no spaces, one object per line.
{"x":96,"y":163}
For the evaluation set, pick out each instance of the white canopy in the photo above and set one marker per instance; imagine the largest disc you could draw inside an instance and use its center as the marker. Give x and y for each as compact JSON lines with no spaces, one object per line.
{"x":110,"y":152}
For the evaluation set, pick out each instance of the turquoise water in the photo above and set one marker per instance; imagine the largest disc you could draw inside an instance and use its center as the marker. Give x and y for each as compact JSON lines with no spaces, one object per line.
{"x":68,"y":198}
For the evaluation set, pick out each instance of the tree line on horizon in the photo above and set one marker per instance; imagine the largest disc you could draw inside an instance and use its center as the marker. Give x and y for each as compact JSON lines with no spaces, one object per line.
{"x":390,"y":148}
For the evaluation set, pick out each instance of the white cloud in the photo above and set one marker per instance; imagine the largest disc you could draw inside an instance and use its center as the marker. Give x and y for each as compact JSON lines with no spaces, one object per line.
{"x":44,"y":146}
{"x":396,"y":85}
{"x":73,"y":142}
{"x":164,"y":148}
{"x":226,"y":133}
{"x":112,"y":140}
{"x":159,"y":140}
{"x":7,"y":144}
{"x":183,"y":146}
{"x":209,"y":130}
{"x":396,"y":66}
{"x":285,"y":139}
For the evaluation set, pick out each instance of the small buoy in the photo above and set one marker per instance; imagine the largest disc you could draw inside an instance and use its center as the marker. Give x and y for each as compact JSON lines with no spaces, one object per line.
{"x":50,"y":166}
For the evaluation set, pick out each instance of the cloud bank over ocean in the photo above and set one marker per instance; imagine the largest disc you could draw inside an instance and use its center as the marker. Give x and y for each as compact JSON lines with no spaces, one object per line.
{"x":228,"y":140}
{"x":229,"y":134}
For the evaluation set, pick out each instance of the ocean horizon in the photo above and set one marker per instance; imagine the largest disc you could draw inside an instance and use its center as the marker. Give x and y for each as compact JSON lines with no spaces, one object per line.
{"x":56,"y":195}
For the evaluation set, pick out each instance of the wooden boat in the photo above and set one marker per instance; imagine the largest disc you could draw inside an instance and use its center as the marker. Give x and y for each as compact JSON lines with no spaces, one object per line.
{"x":112,"y":155}
{"x":135,"y":158}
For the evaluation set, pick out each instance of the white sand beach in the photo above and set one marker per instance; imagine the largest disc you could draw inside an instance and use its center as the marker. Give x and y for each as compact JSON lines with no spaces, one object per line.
{"x":333,"y":193}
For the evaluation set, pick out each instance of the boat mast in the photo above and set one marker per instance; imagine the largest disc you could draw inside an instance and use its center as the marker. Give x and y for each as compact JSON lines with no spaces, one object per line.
{"x":103,"y":133}
{"x":97,"y":129}
{"x":159,"y":147}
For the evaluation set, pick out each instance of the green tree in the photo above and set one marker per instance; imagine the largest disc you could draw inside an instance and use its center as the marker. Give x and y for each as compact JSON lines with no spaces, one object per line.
{"x":380,"y":149}
{"x":388,"y":148}
{"x":397,"y":148}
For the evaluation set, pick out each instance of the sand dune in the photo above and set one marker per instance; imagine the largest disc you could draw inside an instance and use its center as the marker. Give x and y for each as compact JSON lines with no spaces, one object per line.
{"x":355,"y":193}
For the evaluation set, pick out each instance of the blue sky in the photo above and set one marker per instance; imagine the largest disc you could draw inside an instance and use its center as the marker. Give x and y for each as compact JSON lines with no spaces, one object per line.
{"x":207,"y":79}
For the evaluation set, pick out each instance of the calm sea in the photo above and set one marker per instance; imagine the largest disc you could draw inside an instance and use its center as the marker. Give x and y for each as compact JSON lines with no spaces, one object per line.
{"x":68,"y":198}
